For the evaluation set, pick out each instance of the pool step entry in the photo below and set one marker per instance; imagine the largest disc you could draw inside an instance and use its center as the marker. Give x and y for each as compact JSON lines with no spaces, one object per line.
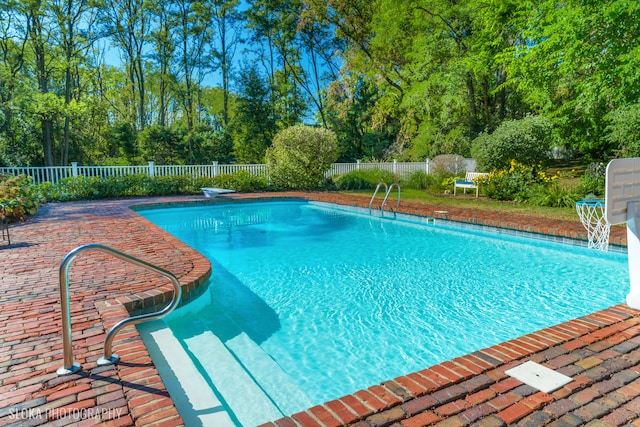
{"x":251,"y":387}
{"x":108,"y":358}
{"x":184,"y":382}
{"x":388,"y":190}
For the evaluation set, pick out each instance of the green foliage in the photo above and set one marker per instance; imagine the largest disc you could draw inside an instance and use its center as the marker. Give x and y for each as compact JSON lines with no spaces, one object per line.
{"x":526,"y":141}
{"x":363,"y":179}
{"x":513,"y":183}
{"x":254,"y":124}
{"x":300,"y":156}
{"x":623,"y":130}
{"x":241,"y":181}
{"x":593,"y":179}
{"x":163,"y":145}
{"x":18,"y":197}
{"x":88,"y":188}
{"x":553,"y":195}
{"x":210,"y":145}
{"x":419,"y":180}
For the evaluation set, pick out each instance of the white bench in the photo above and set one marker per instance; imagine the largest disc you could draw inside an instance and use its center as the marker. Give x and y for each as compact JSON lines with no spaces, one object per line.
{"x":468,"y":182}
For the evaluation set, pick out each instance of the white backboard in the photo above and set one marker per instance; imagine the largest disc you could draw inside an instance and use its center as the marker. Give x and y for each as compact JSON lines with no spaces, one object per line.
{"x":622,"y":187}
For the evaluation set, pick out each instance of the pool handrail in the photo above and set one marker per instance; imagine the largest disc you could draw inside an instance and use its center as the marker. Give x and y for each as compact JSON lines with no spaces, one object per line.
{"x":108,"y":358}
{"x":384,"y":202}
{"x":386,"y":190}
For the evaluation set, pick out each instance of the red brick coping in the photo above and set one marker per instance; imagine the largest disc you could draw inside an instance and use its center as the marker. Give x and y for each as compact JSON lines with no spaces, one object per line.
{"x":599,"y":351}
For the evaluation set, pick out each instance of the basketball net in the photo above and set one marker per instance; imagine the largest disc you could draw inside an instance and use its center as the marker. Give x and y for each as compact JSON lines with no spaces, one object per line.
{"x":591,"y":214}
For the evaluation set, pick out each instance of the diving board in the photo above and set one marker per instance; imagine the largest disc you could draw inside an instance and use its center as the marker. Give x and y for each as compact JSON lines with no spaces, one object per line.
{"x":213,"y":192}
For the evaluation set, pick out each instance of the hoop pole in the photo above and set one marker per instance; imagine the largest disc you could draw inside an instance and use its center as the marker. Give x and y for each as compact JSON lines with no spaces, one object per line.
{"x":633,"y":254}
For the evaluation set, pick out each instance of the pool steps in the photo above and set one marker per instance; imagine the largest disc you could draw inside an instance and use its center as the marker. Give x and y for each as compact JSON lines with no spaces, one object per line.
{"x":228,"y":373}
{"x":186,"y":385}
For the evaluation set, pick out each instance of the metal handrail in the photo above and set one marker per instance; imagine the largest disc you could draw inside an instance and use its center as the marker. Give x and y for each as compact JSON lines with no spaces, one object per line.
{"x":4,"y":224}
{"x":380,"y":184}
{"x":108,"y":358}
{"x":384,"y":202}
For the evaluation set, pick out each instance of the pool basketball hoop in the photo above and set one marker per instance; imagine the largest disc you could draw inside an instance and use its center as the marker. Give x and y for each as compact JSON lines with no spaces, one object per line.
{"x":622,"y":194}
{"x":591,"y":214}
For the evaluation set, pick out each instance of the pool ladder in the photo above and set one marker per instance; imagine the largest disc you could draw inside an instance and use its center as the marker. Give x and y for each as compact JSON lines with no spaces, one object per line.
{"x":388,"y":190}
{"x":108,"y":357}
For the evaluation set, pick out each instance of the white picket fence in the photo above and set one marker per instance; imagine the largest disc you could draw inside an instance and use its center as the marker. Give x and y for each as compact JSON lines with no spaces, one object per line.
{"x":54,"y":174}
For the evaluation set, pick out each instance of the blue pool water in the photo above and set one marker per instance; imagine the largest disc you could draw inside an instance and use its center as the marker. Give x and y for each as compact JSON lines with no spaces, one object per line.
{"x":313,"y":302}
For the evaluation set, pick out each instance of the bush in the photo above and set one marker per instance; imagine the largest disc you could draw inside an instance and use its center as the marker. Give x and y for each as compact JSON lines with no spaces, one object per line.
{"x":241,"y":181}
{"x":420,"y":180}
{"x":300,"y":156}
{"x":527,"y":141}
{"x":363,"y":179}
{"x":513,"y":183}
{"x":18,"y":197}
{"x":552,"y":195}
{"x":87,"y":188}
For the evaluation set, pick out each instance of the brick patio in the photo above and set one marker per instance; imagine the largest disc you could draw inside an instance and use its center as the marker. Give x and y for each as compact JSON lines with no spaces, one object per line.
{"x":601,"y":351}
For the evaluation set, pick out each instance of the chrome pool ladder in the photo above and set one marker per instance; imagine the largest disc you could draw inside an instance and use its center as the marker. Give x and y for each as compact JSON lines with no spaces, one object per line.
{"x":108,"y":357}
{"x":387,"y":191}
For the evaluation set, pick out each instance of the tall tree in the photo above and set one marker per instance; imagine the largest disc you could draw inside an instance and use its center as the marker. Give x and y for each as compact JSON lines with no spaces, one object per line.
{"x":273,"y":25}
{"x":253,"y":125}
{"x":39,"y":38}
{"x":163,"y":54}
{"x":128,"y":24}
{"x":193,"y":34}
{"x":227,"y":20}
{"x":74,"y":18}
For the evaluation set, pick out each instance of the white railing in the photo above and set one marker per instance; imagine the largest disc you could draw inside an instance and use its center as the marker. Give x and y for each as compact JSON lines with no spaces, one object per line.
{"x":54,"y":174}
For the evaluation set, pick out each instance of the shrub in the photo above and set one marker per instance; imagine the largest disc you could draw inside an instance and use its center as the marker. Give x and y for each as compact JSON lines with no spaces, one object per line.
{"x":86,"y":188}
{"x":300,"y":156}
{"x":363,"y":179}
{"x":513,"y":183}
{"x":420,"y":180}
{"x":552,"y":195}
{"x":18,"y":197}
{"x":241,"y":181}
{"x":528,"y":141}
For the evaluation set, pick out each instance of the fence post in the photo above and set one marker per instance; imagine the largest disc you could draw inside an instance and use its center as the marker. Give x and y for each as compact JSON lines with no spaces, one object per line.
{"x":358,"y":164}
{"x":216,"y":169}
{"x":152,"y":171}
{"x":395,"y":166}
{"x":427,"y":164}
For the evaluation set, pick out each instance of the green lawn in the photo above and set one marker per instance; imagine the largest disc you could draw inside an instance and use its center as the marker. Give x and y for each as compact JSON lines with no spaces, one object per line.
{"x":469,"y":201}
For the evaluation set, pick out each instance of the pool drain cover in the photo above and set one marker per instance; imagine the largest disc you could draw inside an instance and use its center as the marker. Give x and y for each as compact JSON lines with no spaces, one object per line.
{"x":538,"y":377}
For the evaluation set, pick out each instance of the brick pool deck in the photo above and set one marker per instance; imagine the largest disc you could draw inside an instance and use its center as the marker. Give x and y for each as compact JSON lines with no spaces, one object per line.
{"x":600,"y":351}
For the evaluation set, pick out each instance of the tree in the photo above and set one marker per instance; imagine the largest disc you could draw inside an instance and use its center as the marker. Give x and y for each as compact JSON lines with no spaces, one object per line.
{"x":128,"y":24}
{"x":227,"y":21}
{"x":253,"y":125}
{"x":577,"y":61}
{"x":73,"y":18}
{"x":274,"y":26}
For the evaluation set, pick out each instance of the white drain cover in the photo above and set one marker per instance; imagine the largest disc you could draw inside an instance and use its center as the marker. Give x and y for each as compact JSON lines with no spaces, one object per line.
{"x":538,"y":376}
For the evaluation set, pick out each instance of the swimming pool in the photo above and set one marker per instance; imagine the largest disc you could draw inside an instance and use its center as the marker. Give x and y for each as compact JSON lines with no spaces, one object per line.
{"x":308,"y":302}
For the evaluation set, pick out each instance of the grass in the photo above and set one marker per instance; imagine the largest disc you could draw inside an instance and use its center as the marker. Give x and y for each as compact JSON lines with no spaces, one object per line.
{"x":469,"y":201}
